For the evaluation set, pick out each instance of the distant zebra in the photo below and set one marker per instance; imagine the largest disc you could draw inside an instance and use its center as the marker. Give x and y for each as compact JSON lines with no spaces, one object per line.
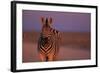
{"x":49,"y":41}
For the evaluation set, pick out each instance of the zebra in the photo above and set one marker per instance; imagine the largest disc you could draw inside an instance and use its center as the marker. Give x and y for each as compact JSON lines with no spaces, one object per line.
{"x":49,"y":41}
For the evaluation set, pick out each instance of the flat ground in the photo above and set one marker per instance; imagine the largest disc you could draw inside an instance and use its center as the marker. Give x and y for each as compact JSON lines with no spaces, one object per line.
{"x":74,"y":46}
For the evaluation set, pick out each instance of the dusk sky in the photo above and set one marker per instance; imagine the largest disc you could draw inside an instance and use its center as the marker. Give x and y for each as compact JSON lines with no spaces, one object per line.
{"x":62,"y":21}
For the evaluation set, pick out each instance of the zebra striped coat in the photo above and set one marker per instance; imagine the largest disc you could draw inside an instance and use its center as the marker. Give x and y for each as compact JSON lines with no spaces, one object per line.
{"x":49,"y":41}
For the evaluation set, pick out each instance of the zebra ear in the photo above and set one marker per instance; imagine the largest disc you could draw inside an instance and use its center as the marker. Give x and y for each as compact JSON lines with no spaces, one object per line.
{"x":42,"y":20}
{"x":50,"y":20}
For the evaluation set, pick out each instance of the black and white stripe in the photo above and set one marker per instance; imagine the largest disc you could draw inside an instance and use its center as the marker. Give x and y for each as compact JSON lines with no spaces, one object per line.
{"x":48,"y":44}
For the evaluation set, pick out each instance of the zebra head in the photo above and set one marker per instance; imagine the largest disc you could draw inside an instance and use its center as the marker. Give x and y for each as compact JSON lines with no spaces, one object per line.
{"x":46,"y":27}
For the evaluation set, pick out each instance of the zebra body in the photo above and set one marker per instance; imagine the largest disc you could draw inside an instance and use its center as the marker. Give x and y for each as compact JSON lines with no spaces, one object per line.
{"x":48,"y":44}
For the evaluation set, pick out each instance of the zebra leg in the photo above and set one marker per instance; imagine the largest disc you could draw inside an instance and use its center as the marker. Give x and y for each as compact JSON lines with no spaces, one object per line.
{"x":46,"y":59}
{"x":42,"y":57}
{"x":55,"y":57}
{"x":50,"y":57}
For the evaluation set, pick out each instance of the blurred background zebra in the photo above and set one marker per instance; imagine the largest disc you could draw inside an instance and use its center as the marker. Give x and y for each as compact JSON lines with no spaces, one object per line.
{"x":49,"y":41}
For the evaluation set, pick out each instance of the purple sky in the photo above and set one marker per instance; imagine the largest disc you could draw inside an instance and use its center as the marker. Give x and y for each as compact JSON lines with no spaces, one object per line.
{"x":62,"y":21}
